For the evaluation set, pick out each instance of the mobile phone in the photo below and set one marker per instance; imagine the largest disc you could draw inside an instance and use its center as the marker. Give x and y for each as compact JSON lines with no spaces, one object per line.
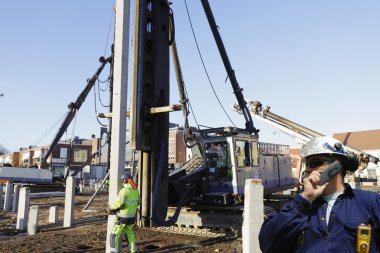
{"x":331,"y":171}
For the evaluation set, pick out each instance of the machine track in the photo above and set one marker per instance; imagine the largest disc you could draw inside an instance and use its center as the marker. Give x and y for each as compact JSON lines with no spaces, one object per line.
{"x":195,"y":231}
{"x":209,"y":221}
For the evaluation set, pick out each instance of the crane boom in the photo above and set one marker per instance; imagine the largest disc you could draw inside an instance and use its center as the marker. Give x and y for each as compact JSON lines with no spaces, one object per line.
{"x":296,"y":130}
{"x":74,"y":107}
{"x":230,"y":72}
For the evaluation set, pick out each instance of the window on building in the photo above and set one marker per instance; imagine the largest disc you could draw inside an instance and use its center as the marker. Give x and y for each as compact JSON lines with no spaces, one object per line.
{"x":63,"y":153}
{"x":79,"y":155}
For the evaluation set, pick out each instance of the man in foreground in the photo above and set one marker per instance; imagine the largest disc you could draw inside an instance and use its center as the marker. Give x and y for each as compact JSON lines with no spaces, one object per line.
{"x":331,"y":217}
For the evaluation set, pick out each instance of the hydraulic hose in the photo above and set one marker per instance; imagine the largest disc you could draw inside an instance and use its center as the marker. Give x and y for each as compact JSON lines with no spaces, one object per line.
{"x":156,"y":215}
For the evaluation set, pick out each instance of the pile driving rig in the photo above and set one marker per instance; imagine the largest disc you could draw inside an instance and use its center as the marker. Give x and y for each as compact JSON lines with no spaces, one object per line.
{"x":207,"y":191}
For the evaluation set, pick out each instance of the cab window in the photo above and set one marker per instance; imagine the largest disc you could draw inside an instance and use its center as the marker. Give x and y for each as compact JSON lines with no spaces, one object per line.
{"x":218,"y":161}
{"x":217,"y":155}
{"x":242,"y":153}
{"x":254,"y":154}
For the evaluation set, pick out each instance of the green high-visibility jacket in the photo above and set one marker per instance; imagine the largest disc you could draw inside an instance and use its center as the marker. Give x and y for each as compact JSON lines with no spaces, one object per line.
{"x":126,"y":202}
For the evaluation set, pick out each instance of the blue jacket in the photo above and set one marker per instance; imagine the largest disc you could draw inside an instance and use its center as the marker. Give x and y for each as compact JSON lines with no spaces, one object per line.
{"x":301,"y":226}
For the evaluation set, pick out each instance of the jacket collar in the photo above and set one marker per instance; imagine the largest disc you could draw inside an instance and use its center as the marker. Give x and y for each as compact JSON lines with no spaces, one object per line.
{"x":348,"y":192}
{"x":127,"y":186}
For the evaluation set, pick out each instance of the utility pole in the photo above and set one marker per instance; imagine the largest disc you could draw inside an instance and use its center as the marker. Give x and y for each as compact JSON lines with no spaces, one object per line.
{"x":119,"y":105}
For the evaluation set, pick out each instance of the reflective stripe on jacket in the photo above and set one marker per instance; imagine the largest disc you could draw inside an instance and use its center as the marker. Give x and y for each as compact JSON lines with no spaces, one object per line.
{"x":301,"y":226}
{"x":127,"y":201}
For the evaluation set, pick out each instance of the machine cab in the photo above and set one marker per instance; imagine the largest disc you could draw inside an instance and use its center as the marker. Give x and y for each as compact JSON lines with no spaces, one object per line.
{"x":230,"y":160}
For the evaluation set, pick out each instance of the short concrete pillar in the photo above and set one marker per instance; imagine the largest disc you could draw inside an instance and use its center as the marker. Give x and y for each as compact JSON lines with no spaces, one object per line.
{"x":23,"y":209}
{"x":253,"y":215}
{"x":68,"y":218}
{"x":81,"y":187}
{"x":1,"y":195}
{"x":53,"y":214}
{"x":8,"y":196}
{"x":16,"y":194}
{"x":33,"y":220}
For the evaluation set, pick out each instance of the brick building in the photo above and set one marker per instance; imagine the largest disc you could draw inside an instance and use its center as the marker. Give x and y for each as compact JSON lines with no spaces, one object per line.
{"x":177,"y":147}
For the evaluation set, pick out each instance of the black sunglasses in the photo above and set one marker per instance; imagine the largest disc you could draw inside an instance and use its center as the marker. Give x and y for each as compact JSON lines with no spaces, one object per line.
{"x":316,"y":162}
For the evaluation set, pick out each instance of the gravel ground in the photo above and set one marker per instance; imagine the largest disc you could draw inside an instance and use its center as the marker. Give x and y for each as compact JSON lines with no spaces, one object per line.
{"x":89,"y":233}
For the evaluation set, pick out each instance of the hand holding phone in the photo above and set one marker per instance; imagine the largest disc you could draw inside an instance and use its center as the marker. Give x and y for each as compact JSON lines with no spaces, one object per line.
{"x":330,"y":172}
{"x":316,"y":183}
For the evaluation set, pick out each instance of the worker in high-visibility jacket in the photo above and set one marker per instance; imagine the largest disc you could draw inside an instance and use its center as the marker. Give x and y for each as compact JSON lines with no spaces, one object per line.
{"x":125,"y":207}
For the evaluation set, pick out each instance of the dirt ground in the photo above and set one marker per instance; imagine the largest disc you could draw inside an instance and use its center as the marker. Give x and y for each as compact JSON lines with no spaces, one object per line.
{"x":89,"y":232}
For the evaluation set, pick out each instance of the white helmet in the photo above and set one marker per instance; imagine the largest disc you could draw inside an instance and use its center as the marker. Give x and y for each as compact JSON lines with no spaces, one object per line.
{"x":323,"y":145}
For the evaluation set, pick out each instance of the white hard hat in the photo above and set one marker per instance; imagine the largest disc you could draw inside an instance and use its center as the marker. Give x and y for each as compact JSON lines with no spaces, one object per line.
{"x":323,"y":145}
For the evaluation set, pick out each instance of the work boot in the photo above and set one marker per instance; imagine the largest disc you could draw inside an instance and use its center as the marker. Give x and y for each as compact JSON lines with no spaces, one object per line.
{"x":132,"y":248}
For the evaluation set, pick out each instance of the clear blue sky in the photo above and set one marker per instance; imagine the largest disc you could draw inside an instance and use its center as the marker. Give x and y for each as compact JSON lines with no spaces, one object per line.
{"x":314,"y":62}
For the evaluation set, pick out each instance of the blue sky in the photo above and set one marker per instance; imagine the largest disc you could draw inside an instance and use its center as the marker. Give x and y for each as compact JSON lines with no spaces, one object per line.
{"x":314,"y":62}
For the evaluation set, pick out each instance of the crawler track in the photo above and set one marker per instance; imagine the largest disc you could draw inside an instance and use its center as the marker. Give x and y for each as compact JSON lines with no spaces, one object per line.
{"x":209,"y":221}
{"x":202,"y":232}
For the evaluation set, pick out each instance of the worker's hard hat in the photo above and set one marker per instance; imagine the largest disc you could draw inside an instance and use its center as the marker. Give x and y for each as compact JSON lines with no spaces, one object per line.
{"x":323,"y":145}
{"x":126,"y":175}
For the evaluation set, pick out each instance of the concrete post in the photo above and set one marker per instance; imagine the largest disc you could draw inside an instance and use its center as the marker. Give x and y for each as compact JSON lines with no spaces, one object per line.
{"x":92,"y":184}
{"x":119,"y":105}
{"x":80,"y":187}
{"x":23,"y":209}
{"x":253,"y":215}
{"x":53,"y":214}
{"x":68,"y":218}
{"x":8,"y":196}
{"x":1,"y":194}
{"x":33,"y":220}
{"x":16,"y":194}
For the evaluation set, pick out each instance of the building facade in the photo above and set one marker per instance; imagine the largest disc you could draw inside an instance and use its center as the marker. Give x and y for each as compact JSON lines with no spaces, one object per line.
{"x":177,"y":147}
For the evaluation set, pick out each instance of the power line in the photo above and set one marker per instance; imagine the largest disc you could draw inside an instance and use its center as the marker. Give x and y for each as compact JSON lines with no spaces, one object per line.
{"x":48,"y":130}
{"x":204,"y":66}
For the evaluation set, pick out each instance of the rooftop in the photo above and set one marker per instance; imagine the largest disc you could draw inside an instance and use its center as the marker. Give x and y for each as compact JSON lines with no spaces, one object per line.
{"x":363,"y":140}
